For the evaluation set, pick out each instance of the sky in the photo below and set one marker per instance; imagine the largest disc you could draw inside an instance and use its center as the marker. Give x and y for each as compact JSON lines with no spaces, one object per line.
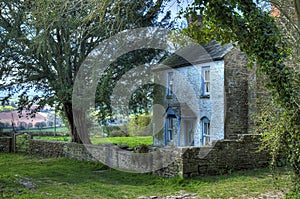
{"x":176,"y":6}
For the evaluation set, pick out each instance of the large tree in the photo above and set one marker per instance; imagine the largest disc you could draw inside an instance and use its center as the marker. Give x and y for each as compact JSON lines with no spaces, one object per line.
{"x":44,"y":43}
{"x":275,"y":51}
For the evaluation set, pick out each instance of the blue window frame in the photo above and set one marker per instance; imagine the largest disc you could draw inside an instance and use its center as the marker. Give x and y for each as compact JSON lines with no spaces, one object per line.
{"x":205,"y":81}
{"x":170,"y":128}
{"x":205,"y":131}
{"x":170,"y":84}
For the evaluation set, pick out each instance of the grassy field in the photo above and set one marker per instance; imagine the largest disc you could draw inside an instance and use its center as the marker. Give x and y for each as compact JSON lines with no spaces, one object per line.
{"x":128,"y":141}
{"x":24,"y":176}
{"x":50,"y":129}
{"x":37,"y":130}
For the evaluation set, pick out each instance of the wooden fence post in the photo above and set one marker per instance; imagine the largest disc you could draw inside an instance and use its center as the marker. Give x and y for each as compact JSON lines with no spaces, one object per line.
{"x":14,"y":140}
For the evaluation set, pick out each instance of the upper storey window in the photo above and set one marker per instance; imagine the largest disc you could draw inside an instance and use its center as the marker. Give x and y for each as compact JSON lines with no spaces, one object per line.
{"x":170,"y":83}
{"x":206,"y":81}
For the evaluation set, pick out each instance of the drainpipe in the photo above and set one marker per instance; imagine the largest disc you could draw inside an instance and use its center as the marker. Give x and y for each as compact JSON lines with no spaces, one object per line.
{"x":165,"y":133}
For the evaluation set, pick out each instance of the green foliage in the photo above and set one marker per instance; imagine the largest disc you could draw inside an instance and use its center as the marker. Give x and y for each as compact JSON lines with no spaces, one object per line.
{"x":113,"y":131}
{"x":62,"y":138}
{"x":131,"y":142}
{"x":44,"y":43}
{"x":140,"y":125}
{"x":257,"y":34}
{"x":22,"y":142}
{"x":294,"y":193}
{"x":141,"y":98}
{"x":272,"y":122}
{"x":6,"y":108}
{"x":59,"y":130}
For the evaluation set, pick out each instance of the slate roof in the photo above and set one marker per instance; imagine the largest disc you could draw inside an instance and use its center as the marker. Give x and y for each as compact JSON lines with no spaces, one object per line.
{"x":196,"y":54}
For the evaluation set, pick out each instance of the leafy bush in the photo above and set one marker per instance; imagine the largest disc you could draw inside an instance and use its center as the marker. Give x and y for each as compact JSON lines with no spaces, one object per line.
{"x":6,"y":108}
{"x":140,"y":125}
{"x":113,"y":131}
{"x":294,"y":193}
{"x":281,"y":137}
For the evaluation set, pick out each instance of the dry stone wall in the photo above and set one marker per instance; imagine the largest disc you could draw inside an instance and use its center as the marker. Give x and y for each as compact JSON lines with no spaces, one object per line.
{"x":59,"y":149}
{"x":222,"y":157}
{"x":5,"y":144}
{"x":109,"y":154}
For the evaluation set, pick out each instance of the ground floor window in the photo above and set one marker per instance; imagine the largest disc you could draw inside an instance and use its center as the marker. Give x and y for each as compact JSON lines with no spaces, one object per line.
{"x":205,"y":131}
{"x":171,"y":128}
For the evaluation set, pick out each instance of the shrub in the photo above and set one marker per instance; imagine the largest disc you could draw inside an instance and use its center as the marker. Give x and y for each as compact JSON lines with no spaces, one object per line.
{"x":294,"y":193}
{"x":113,"y":131}
{"x":140,"y":125}
{"x":6,"y":108}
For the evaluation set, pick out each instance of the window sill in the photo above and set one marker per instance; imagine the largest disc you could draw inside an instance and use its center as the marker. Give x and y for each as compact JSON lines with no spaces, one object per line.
{"x":204,"y":96}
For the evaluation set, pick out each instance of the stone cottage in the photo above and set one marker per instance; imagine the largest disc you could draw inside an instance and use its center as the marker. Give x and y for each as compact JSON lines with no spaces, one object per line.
{"x":205,"y":95}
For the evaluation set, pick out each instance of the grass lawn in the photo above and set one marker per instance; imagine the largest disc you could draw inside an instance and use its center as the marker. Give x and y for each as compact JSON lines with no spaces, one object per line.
{"x":50,"y":129}
{"x":128,"y":141}
{"x":64,"y":178}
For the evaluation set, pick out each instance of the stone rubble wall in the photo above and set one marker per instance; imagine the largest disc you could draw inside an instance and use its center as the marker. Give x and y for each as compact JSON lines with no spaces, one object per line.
{"x":5,"y":144}
{"x":109,"y":154}
{"x":59,"y":149}
{"x":224,"y":156}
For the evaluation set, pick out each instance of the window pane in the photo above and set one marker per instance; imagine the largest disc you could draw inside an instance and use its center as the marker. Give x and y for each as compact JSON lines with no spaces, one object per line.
{"x":170,"y":83}
{"x":207,"y":87}
{"x":206,"y":81}
{"x":207,"y":75}
{"x":170,"y":128}
{"x":206,"y":131}
{"x":208,"y":128}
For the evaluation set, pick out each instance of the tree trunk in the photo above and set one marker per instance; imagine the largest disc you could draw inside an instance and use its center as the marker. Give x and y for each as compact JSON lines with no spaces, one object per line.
{"x":77,"y":123}
{"x":297,"y":8}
